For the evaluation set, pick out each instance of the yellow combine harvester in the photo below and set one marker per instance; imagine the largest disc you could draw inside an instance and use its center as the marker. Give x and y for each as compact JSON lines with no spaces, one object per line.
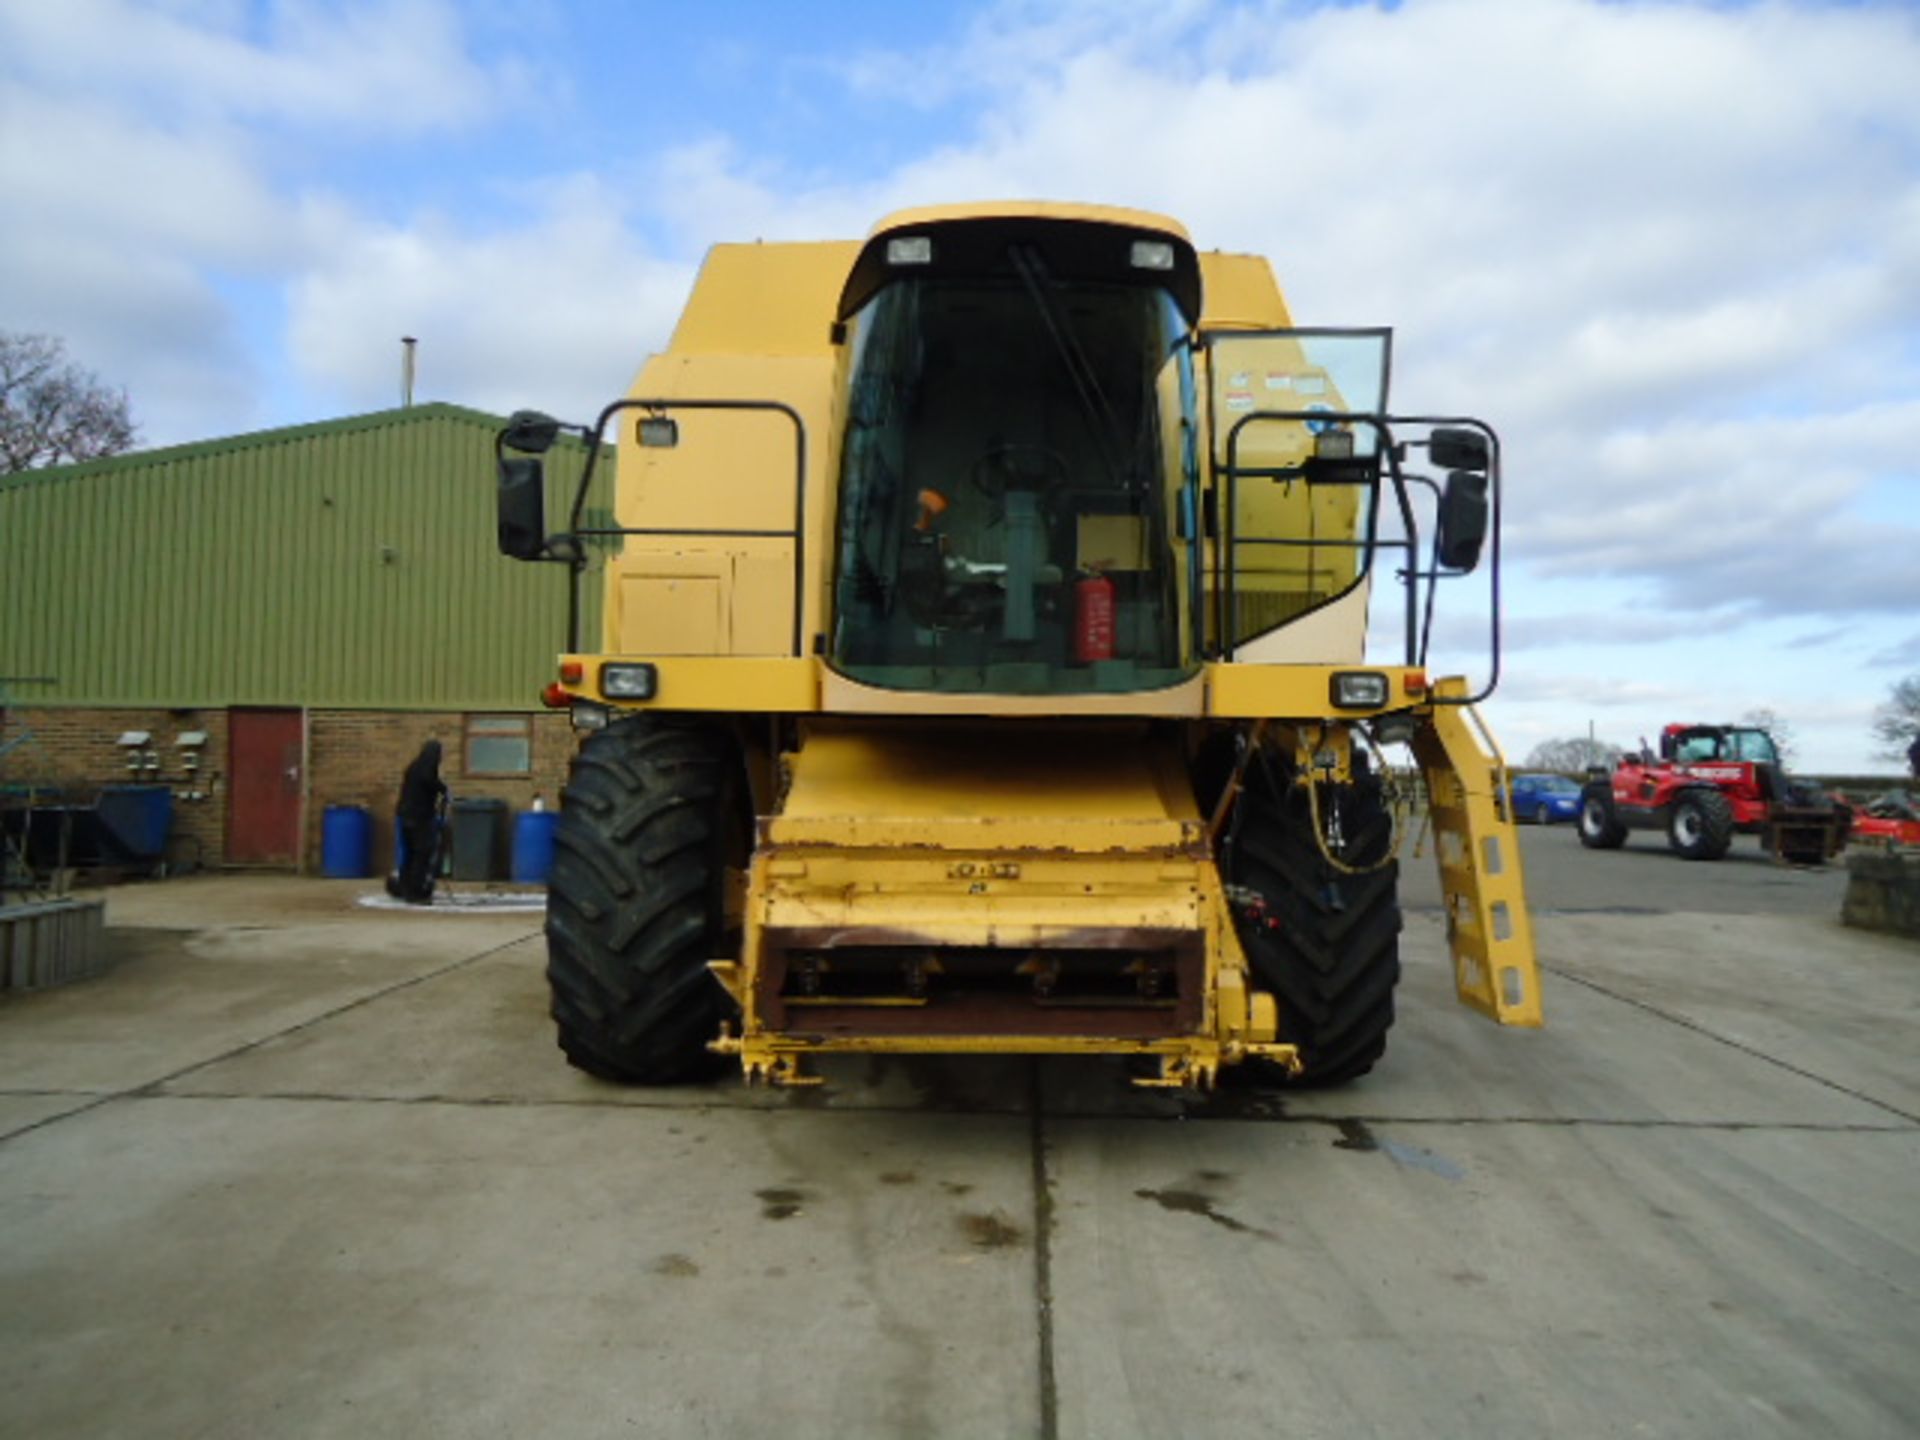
{"x":985,"y":668}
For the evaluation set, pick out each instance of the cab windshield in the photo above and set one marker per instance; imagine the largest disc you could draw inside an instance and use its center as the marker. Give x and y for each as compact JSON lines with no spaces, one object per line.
{"x":1011,"y":478}
{"x":1754,"y":746}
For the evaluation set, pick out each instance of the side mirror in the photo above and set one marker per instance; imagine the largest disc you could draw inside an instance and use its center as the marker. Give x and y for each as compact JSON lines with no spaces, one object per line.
{"x":1463,"y":520}
{"x":530,"y":432}
{"x":523,"y":509}
{"x":1458,"y":450}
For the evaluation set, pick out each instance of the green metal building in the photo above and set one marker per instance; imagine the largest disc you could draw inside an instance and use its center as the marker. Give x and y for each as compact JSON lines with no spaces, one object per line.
{"x":349,"y":563}
{"x":283,"y":616}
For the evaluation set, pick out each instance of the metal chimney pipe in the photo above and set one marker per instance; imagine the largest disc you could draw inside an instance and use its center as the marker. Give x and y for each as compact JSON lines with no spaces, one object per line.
{"x":407,"y":342}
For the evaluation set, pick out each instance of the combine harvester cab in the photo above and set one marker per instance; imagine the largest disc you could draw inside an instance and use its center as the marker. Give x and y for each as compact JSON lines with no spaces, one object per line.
{"x":984,"y":668}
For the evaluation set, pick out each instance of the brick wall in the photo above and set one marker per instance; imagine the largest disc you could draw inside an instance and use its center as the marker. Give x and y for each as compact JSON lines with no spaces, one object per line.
{"x":76,"y":750}
{"x":355,"y":757}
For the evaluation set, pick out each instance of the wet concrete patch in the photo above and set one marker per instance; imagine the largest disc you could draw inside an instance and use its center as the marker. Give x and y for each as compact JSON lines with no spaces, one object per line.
{"x":779,"y":1203}
{"x":1420,"y":1159}
{"x":990,"y":1231}
{"x":1355,"y":1135}
{"x":1358,"y":1135}
{"x":1193,"y":1202}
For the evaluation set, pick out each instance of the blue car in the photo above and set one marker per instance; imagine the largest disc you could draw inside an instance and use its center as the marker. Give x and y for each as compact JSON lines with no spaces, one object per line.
{"x":1544,"y":799}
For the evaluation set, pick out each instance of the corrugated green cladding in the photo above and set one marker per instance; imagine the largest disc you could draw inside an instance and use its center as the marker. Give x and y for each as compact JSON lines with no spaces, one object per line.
{"x":350,"y":563}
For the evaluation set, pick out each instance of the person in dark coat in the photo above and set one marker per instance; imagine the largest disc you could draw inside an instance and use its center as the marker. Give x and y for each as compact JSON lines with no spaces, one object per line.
{"x":422,"y":794}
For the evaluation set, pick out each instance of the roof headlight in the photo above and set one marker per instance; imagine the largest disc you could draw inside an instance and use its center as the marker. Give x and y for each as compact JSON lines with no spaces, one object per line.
{"x":1152,"y":255}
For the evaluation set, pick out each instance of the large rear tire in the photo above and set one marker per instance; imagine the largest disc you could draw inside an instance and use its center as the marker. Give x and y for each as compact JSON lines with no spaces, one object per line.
{"x":650,"y":819}
{"x":1600,"y":828}
{"x":1326,"y":943}
{"x":1700,"y":825}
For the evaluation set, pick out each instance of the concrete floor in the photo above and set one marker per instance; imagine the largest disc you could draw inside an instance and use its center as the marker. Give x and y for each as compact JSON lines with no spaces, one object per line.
{"x":300,"y":1168}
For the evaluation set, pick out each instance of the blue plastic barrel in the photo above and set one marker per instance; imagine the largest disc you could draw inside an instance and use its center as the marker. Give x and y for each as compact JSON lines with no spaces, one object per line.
{"x":346,"y":842}
{"x":533,"y":845}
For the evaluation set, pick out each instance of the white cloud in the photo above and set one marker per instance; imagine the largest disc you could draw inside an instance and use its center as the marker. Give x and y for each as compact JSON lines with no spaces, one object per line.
{"x":132,"y":228}
{"x":1721,"y":509}
{"x":375,"y":68}
{"x":146,"y":143}
{"x":1585,"y":629}
{"x":556,"y":313}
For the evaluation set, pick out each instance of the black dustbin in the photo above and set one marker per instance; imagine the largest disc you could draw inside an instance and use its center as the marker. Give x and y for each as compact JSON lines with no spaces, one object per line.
{"x":479,"y":839}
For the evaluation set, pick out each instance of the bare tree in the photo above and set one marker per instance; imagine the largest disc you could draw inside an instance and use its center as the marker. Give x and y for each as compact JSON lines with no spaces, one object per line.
{"x":1572,"y":756}
{"x":1783,"y":738}
{"x":53,"y":412}
{"x":1896,"y":723}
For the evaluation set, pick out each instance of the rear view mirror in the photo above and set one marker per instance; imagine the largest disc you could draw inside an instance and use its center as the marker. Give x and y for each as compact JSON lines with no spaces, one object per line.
{"x":1463,"y":520}
{"x":522,"y":509}
{"x":1458,"y":450}
{"x":530,"y":432}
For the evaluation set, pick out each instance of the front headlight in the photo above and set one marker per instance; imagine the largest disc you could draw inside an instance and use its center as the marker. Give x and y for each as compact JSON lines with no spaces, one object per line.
{"x":1359,"y":689}
{"x":628,"y":682}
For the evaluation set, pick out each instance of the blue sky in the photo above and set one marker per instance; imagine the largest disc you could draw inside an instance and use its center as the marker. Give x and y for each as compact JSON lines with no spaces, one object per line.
{"x":1672,"y":251}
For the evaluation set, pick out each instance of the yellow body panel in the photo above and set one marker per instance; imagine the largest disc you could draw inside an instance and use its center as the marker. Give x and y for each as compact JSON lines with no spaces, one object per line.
{"x":774,"y":300}
{"x":979,"y":786}
{"x":1270,"y":692}
{"x":712,"y":684}
{"x":1241,"y":293}
{"x":674,"y":605}
{"x":732,"y":471}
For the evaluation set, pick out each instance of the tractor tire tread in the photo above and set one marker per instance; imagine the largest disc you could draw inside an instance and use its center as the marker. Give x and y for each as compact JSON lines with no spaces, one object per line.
{"x":1716,"y":824}
{"x":1599,"y":827}
{"x":632,"y":900}
{"x":1334,"y":961}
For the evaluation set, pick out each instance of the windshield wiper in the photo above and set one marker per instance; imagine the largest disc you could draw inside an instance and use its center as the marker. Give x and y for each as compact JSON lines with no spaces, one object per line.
{"x":1101,"y":418}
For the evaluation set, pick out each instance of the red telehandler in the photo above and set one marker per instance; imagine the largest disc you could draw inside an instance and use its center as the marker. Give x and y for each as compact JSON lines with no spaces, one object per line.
{"x":1710,"y":783}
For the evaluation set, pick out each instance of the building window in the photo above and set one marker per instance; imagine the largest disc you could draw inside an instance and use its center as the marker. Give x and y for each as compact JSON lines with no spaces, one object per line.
{"x":499,"y":745}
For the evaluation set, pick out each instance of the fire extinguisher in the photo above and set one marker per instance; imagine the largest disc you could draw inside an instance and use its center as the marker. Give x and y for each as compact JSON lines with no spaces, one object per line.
{"x":1093,"y":619}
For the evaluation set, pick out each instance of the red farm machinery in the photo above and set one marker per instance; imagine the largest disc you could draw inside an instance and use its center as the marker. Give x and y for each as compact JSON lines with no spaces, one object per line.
{"x":1708,"y":784}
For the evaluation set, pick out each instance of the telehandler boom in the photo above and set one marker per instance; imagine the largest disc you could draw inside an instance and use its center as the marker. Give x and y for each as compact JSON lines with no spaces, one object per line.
{"x":984,"y":667}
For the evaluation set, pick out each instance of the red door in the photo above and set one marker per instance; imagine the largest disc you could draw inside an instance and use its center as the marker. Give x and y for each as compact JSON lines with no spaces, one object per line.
{"x":263,"y":787}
